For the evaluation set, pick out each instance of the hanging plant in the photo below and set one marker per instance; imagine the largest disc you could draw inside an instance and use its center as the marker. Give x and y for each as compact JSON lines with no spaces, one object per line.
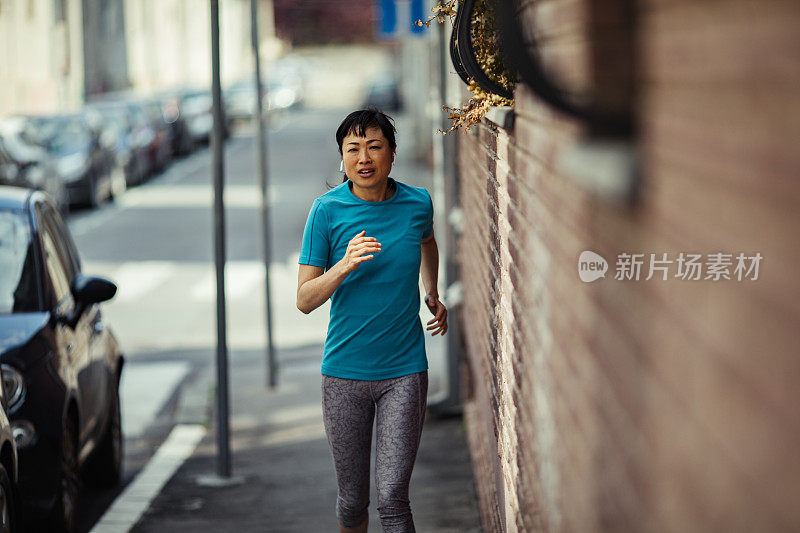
{"x":474,"y":51}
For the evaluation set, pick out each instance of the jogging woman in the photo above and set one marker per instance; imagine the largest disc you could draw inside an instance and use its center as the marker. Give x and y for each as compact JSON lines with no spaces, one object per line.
{"x":364,"y":245}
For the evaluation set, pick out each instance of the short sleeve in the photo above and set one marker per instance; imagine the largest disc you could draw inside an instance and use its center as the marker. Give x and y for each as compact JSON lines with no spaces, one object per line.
{"x":428,"y":228}
{"x":316,"y":244}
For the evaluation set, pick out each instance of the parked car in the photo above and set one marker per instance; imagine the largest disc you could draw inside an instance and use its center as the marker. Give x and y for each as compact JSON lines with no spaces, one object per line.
{"x":84,"y":163}
{"x":291,"y":72}
{"x":9,"y":498}
{"x":61,"y":364}
{"x":28,"y":165}
{"x":197,"y":106}
{"x":172,"y":106}
{"x":130,"y":142}
{"x":162,"y":150}
{"x":240,"y":98}
{"x":384,"y":93}
{"x":150,"y":127}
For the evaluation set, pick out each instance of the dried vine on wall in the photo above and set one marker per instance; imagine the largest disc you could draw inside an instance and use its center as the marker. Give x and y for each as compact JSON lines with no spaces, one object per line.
{"x":485,"y":46}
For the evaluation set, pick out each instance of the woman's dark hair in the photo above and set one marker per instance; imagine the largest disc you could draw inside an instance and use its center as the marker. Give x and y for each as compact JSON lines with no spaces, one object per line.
{"x":357,"y":123}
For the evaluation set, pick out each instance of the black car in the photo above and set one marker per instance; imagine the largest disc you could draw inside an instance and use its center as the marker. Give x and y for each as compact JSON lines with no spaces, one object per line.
{"x":130,"y":140}
{"x":26,"y":165}
{"x":172,"y":106}
{"x":162,"y":152}
{"x":83,"y":161}
{"x":8,"y":470}
{"x":150,"y":124}
{"x":61,"y":364}
{"x":384,"y":94}
{"x":197,"y":109}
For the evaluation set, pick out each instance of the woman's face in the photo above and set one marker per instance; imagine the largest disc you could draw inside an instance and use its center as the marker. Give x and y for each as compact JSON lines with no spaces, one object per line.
{"x":367,"y":160}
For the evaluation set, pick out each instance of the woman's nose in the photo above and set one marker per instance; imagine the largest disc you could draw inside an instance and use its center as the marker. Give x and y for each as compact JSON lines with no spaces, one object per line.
{"x":363,"y":156}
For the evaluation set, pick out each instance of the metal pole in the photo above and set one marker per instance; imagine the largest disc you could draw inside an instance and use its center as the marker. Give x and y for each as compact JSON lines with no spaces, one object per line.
{"x":217,"y":140}
{"x":261,"y":137}
{"x":449,"y":150}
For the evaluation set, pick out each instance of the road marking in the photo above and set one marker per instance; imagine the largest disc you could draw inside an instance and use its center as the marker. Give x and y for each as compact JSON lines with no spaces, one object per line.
{"x":235,"y":196}
{"x":133,"y":279}
{"x":241,"y":278}
{"x":129,"y":507}
{"x":144,"y":389}
{"x":177,"y":312}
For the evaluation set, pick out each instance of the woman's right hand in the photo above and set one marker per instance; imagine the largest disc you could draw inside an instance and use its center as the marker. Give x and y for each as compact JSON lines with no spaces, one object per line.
{"x":356,"y":248}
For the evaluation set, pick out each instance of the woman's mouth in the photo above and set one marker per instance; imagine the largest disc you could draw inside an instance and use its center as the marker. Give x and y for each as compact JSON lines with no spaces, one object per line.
{"x":366,"y":173}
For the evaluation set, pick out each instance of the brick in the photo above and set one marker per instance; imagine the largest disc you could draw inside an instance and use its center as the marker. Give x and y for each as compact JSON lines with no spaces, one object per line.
{"x":641,"y":405}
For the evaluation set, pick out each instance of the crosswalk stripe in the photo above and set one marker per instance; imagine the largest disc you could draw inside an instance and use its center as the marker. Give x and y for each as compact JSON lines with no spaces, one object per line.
{"x":169,"y":305}
{"x":134,"y":279}
{"x":236,"y":196}
{"x":241,"y":278}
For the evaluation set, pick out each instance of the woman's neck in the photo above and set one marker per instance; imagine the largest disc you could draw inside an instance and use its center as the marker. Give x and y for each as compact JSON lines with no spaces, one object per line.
{"x":379,"y":193}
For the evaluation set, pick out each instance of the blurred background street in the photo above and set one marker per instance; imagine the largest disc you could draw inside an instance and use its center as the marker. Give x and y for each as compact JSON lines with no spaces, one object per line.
{"x":113,"y":118}
{"x":155,"y":243}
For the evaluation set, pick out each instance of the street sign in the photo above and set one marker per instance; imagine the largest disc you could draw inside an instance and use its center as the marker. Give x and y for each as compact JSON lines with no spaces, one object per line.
{"x":396,"y":18}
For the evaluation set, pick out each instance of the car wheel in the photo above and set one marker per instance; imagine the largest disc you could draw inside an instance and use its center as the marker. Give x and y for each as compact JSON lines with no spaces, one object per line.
{"x":7,"y":509}
{"x":105,"y":468}
{"x":64,"y":513}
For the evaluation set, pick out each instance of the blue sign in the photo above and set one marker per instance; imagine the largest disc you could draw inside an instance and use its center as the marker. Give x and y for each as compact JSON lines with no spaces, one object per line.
{"x":399,"y":17}
{"x":417,"y":13}
{"x":387,"y":18}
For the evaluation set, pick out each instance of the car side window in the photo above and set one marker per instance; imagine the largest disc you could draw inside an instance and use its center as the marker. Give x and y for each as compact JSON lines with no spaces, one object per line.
{"x":19,"y":290}
{"x":54,"y":265}
{"x":69,"y":251}
{"x":57,"y":260}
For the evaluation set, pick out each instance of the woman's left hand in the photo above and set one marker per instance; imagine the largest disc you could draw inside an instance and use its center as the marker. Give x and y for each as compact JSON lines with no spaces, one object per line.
{"x":439,"y":321}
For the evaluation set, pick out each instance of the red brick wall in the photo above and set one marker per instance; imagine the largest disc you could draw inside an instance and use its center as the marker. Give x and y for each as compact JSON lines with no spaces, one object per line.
{"x":641,"y":405}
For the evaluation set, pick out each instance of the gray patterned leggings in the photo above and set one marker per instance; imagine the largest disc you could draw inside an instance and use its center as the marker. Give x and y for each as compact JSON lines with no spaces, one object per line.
{"x":348,"y":408}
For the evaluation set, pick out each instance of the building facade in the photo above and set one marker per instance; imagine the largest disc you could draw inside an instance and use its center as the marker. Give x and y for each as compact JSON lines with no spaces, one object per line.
{"x":54,"y":54}
{"x":627,"y":403}
{"x":41,"y":45}
{"x":169,"y":42}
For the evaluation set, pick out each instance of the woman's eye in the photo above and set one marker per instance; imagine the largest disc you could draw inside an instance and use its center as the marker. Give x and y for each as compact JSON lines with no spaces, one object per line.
{"x":352,"y":150}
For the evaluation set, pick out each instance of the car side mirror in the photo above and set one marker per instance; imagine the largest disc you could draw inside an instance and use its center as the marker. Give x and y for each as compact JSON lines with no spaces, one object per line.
{"x":92,"y":289}
{"x":88,"y":290}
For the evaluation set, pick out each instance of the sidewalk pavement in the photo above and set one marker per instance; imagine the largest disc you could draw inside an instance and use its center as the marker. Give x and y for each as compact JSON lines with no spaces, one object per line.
{"x":279,"y":449}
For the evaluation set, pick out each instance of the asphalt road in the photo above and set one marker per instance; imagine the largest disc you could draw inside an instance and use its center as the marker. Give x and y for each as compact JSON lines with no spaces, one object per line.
{"x":156,"y":243}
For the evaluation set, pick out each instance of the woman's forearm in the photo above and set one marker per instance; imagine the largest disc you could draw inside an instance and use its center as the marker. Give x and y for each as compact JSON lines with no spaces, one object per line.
{"x":316,"y":291}
{"x":429,"y":267}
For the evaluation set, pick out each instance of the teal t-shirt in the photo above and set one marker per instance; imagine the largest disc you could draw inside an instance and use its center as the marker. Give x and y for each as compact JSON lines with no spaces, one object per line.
{"x":374,"y":330}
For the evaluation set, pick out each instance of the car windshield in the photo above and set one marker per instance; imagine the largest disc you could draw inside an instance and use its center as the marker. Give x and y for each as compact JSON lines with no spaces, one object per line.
{"x":16,"y":147}
{"x":115,"y":117}
{"x":61,"y":135}
{"x":18,"y":290}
